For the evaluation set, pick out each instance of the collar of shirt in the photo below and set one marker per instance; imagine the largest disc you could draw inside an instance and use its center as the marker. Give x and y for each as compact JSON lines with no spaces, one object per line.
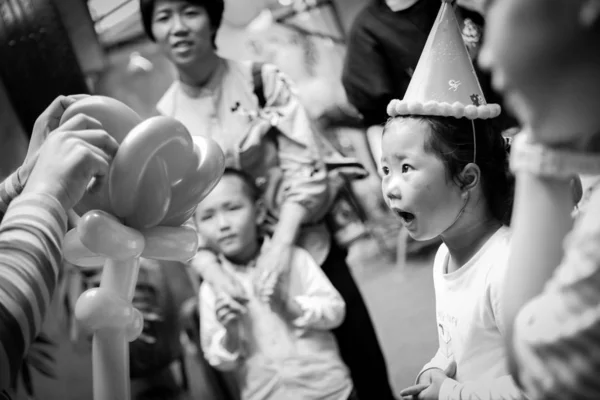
{"x":208,"y":89}
{"x":245,"y":267}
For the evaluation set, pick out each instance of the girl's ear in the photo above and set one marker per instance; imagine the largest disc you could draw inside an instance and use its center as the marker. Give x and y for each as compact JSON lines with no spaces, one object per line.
{"x":589,"y":13}
{"x":470,"y":177}
{"x":261,"y":211}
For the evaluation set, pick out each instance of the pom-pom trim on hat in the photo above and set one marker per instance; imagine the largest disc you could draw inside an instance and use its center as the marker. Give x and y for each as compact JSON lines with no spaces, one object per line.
{"x":397,"y":108}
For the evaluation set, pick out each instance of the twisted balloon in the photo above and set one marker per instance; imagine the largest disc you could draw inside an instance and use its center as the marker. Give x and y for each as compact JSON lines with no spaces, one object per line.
{"x":156,"y":180}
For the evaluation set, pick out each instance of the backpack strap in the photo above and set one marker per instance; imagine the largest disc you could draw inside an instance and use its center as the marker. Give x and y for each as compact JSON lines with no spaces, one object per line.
{"x":259,"y":85}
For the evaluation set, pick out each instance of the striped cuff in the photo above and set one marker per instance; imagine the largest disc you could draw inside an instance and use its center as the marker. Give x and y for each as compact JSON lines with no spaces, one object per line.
{"x":34,"y":208}
{"x":10,"y":188}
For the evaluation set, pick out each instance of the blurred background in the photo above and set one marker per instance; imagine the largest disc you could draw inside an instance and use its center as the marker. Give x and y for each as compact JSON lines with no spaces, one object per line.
{"x":53,"y":47}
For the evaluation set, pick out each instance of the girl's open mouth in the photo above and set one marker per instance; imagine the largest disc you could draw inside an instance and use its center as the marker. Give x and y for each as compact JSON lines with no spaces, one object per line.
{"x":406,"y":216}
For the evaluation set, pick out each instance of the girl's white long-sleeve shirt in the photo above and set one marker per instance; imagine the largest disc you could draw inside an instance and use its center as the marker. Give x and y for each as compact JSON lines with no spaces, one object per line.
{"x":470,"y":326}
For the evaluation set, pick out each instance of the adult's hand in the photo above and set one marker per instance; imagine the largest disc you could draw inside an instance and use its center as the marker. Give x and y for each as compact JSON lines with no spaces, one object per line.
{"x":209,"y":268}
{"x":271,"y":263}
{"x":75,"y":158}
{"x":48,"y":121}
{"x":44,"y":125}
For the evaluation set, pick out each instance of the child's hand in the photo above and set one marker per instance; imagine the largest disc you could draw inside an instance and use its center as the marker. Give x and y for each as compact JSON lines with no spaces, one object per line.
{"x":227,"y":311}
{"x":228,"y":314}
{"x":429,"y":384}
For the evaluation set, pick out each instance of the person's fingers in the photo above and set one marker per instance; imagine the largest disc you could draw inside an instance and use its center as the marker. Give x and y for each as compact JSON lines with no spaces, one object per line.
{"x":61,"y":103}
{"x":236,"y":307}
{"x":76,"y":97}
{"x":80,"y":122}
{"x":220,"y":312}
{"x":95,"y":166}
{"x":240,"y":300}
{"x":229,"y":318}
{"x":225,"y":314}
{"x":56,"y":109}
{"x":99,"y":140}
{"x":429,"y":393}
{"x":414,"y":390}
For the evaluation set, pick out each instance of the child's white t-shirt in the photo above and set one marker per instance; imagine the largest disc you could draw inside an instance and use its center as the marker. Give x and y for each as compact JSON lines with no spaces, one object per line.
{"x":469,"y":322}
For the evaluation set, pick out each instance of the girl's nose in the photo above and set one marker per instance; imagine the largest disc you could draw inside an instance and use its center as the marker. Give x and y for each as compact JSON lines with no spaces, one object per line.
{"x":390,"y":189}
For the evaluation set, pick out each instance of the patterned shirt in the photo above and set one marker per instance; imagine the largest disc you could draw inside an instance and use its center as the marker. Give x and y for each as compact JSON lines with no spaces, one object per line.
{"x":557,"y":334}
{"x":31,"y":234}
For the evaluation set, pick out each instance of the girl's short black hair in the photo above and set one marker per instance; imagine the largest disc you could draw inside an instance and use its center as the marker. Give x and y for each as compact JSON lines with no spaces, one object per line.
{"x":214,"y":9}
{"x":451,"y":140}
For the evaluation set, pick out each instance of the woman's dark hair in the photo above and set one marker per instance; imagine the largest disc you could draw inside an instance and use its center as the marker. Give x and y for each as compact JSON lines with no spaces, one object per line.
{"x":214,"y":9}
{"x":451,"y":140}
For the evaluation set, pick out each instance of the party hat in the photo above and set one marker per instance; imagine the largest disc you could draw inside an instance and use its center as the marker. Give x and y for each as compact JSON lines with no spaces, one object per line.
{"x":444,"y":83}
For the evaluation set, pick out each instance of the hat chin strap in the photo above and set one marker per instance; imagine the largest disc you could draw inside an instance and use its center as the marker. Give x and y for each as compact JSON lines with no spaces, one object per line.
{"x":460,"y":213}
{"x":474,"y":143}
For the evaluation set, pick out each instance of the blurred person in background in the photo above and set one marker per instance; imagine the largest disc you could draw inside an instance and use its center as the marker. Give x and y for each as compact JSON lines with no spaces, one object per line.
{"x":277,"y":146}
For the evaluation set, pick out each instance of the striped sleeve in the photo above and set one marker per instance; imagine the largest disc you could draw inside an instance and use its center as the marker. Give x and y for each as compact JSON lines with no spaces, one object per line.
{"x":557,"y":335}
{"x":10,"y":188}
{"x":31,"y":236}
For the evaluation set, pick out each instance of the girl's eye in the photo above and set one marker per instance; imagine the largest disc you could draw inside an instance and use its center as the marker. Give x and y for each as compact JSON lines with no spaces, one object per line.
{"x":205,"y":217}
{"x":385,"y":170}
{"x":406,"y":168}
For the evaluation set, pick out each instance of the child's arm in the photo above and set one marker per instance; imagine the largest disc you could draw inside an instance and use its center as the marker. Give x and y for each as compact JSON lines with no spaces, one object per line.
{"x":503,"y":388}
{"x":319,"y":305}
{"x":31,"y":236}
{"x":439,"y":361}
{"x":220,"y":347}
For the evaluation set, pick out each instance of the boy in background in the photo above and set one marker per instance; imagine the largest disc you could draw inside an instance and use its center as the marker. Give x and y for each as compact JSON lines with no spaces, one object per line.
{"x":277,"y":349}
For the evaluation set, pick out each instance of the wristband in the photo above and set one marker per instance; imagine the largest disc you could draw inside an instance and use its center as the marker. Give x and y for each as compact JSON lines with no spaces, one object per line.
{"x":528,"y":156}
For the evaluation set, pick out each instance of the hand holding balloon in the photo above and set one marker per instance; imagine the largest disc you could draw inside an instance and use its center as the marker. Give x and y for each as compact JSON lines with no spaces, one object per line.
{"x":154,"y":183}
{"x":85,"y":151}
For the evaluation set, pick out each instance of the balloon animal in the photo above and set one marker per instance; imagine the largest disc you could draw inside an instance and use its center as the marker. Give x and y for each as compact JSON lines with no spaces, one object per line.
{"x":156,"y":180}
